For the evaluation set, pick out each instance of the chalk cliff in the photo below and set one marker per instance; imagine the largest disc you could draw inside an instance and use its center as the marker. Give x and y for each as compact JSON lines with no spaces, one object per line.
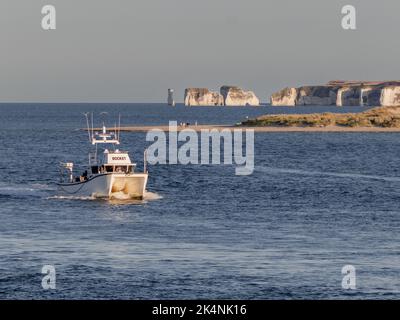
{"x":348,"y":96}
{"x":341,"y":93}
{"x":370,"y":96}
{"x":235,"y":96}
{"x":304,"y":96}
{"x":390,"y":96}
{"x":202,"y":97}
{"x":317,"y":95}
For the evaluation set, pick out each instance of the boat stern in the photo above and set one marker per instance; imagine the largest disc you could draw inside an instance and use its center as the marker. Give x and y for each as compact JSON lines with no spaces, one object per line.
{"x":128,"y":186}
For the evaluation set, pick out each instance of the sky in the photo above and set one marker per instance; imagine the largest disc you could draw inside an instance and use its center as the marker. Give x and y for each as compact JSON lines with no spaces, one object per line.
{"x":134,"y":50}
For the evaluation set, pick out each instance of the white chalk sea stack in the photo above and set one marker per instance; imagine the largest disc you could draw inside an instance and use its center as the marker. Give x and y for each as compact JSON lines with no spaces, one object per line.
{"x":202,"y":97}
{"x":228,"y":96}
{"x":235,"y":96}
{"x":285,"y":97}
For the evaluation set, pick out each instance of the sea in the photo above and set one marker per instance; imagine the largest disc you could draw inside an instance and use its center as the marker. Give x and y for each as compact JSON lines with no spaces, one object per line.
{"x":315,"y":203}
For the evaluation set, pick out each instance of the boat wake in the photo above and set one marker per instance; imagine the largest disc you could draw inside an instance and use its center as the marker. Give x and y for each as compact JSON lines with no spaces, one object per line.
{"x":28,"y":190}
{"x":152,"y":196}
{"x":120,"y":195}
{"x":70,"y":198}
{"x":115,"y":197}
{"x":330,"y":174}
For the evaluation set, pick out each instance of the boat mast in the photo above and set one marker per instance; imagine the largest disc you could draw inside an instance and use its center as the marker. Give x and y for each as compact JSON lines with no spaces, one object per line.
{"x":92,"y":128}
{"x":87,"y":124}
{"x":119,"y":126}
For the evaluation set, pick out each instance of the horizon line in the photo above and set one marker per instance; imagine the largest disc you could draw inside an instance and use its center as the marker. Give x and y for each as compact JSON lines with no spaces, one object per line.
{"x":96,"y":102}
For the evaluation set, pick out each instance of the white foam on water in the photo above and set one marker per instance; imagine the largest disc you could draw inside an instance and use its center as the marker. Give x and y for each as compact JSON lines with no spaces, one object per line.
{"x":120,"y":196}
{"x":152,"y":196}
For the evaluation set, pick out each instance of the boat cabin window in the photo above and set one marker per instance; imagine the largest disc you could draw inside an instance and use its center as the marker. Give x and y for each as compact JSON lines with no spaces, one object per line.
{"x":123,"y":169}
{"x":116,"y":169}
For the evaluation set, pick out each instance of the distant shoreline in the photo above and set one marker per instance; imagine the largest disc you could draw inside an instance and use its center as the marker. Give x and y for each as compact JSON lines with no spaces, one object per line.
{"x":198,"y":128}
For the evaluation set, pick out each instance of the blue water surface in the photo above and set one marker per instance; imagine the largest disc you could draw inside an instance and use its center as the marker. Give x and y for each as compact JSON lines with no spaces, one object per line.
{"x":315,"y":203}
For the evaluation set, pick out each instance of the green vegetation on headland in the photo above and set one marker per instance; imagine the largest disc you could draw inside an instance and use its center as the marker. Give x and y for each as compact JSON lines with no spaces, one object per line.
{"x":384,"y":117}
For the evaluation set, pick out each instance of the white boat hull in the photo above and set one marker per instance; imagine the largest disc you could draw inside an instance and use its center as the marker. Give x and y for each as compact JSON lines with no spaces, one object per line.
{"x":108,"y":185}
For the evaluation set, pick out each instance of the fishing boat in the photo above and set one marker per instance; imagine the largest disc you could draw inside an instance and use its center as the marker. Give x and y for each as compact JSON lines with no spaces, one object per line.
{"x":111,"y":175}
